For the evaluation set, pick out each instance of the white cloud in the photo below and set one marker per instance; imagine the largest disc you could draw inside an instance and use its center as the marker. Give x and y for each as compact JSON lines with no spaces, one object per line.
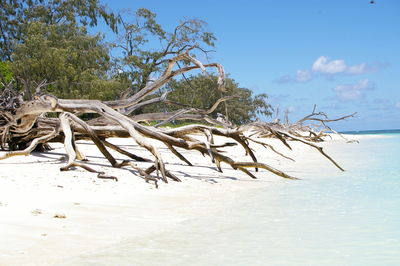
{"x":323,"y":65}
{"x":351,"y":92}
{"x":398,"y":104}
{"x":303,"y":75}
{"x":357,"y":69}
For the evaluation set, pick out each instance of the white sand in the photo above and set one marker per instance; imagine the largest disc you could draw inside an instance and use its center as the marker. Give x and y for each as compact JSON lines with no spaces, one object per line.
{"x":101,"y":212}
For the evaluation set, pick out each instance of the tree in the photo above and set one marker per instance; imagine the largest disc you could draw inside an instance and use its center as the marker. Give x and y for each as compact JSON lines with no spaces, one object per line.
{"x":199,"y":92}
{"x":48,"y":40}
{"x":146,"y":47}
{"x":73,"y":62}
{"x":16,"y":15}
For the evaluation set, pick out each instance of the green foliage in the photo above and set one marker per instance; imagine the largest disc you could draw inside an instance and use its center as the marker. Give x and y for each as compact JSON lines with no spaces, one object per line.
{"x":47,"y":39}
{"x":200,"y":92}
{"x":16,"y":15}
{"x":74,"y":62}
{"x":6,"y":75}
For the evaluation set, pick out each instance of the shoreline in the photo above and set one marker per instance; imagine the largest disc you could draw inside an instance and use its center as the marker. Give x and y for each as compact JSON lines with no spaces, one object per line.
{"x":48,"y":216}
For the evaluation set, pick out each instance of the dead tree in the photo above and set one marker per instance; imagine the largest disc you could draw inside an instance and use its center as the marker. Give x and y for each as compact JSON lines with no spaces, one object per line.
{"x":24,"y":127}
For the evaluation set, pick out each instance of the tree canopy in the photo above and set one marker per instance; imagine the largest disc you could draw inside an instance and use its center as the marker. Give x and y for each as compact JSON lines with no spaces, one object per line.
{"x":16,"y":15}
{"x":199,"y":92}
{"x":73,"y":62}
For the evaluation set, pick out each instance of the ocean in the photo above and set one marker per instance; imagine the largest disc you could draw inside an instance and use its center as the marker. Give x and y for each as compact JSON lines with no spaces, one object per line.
{"x":327,"y":218}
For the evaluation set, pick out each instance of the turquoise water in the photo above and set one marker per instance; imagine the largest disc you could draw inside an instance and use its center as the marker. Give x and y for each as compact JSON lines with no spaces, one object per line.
{"x":373,"y":132}
{"x":329,"y":218}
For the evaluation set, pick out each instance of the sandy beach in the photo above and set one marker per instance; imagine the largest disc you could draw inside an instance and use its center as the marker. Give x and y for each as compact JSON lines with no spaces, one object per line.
{"x":48,"y":216}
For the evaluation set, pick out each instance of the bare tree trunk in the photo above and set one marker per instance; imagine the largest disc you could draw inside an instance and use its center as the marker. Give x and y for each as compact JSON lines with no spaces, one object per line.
{"x":23,"y":126}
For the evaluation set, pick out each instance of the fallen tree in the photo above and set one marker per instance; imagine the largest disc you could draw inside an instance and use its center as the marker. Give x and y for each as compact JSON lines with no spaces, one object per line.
{"x":25,"y":127}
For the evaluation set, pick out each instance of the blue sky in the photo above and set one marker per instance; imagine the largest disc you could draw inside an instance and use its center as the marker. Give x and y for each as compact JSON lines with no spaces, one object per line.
{"x":342,"y":55}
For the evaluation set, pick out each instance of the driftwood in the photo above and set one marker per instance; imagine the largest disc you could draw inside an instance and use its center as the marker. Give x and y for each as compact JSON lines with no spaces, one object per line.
{"x":24,"y":127}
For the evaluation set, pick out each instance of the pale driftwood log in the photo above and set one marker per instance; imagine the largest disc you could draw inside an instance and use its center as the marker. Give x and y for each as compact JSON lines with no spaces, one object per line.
{"x":23,"y":126}
{"x":298,"y":131}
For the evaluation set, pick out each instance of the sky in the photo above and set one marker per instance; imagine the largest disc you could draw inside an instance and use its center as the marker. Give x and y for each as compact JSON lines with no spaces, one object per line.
{"x":342,"y":55}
